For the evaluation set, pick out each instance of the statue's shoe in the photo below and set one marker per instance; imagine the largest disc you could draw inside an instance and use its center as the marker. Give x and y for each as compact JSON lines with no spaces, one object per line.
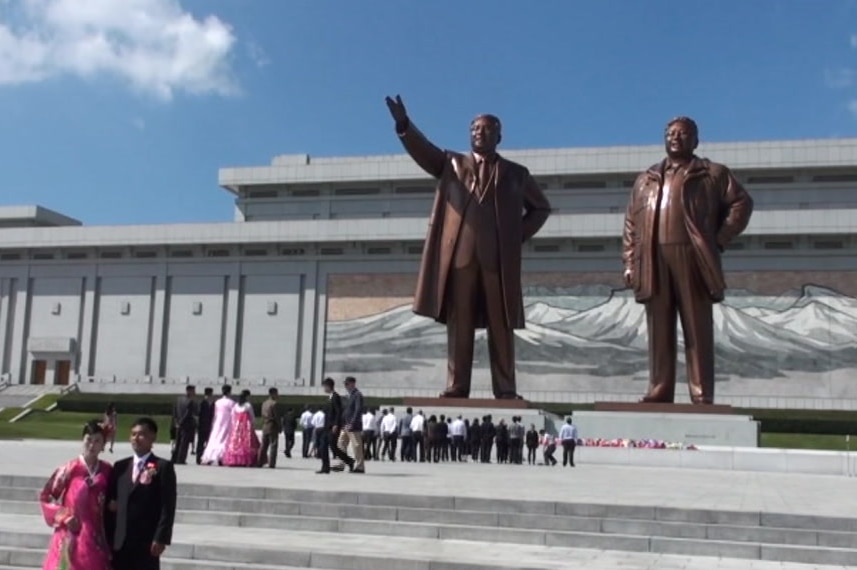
{"x":510,"y":396}
{"x":453,"y":394}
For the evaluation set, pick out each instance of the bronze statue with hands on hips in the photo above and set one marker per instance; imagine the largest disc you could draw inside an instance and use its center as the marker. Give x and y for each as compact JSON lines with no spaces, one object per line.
{"x":682,"y":214}
{"x":485,"y":208}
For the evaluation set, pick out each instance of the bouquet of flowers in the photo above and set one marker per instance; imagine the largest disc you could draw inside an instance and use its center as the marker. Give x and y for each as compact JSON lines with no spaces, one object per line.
{"x":637,"y":443}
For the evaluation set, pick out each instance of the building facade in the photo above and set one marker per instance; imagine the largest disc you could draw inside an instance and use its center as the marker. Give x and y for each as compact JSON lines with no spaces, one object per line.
{"x":315,"y":276}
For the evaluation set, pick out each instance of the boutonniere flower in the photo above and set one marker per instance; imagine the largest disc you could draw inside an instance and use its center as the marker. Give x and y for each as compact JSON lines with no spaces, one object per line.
{"x":150,"y":471}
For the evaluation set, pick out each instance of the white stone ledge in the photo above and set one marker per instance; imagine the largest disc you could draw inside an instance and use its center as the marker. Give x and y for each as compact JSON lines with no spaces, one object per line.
{"x":767,"y":460}
{"x":766,"y":222}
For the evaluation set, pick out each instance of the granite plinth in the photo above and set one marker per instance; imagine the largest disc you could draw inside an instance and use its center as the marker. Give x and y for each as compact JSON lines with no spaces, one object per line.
{"x":466,"y":403}
{"x":663,"y":408}
{"x":728,"y":430}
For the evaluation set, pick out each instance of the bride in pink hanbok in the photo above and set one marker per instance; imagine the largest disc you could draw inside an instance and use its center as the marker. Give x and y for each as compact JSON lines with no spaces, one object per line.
{"x":242,"y":447}
{"x":73,"y":504}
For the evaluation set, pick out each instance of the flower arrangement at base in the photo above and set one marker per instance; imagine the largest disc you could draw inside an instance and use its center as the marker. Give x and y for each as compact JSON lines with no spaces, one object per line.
{"x":635,"y":443}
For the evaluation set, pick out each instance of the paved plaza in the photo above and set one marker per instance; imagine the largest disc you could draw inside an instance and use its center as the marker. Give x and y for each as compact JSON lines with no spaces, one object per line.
{"x":623,"y":485}
{"x":823,"y":496}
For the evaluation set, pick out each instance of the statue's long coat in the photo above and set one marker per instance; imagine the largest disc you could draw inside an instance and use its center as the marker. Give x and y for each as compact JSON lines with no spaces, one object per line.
{"x":716,"y":210}
{"x":521,"y":210}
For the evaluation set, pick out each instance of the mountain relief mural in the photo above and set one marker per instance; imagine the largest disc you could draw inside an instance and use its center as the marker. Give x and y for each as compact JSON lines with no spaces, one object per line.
{"x":593,"y":335}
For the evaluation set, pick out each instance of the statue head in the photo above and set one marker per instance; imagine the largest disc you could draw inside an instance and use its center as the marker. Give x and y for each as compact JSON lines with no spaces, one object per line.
{"x":681,"y":138}
{"x":485,"y":134}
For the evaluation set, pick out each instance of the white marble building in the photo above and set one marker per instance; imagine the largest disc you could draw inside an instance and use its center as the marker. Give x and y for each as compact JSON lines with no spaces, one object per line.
{"x":323,"y":247}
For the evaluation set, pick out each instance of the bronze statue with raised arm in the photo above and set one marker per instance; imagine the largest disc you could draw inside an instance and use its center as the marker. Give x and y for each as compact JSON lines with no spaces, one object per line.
{"x":682,"y":214}
{"x":485,"y":208}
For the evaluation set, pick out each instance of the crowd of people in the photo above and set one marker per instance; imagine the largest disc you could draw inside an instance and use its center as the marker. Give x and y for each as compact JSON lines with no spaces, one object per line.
{"x":224,"y":434}
{"x":414,"y":437}
{"x":223,"y":431}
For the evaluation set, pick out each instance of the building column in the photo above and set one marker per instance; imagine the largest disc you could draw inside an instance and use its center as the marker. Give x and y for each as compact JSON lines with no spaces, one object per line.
{"x":88,"y":328}
{"x":160,"y":315}
{"x":309,"y":326}
{"x":232,"y":322}
{"x":316,"y":319}
{"x":5,"y":322}
{"x":19,"y":363}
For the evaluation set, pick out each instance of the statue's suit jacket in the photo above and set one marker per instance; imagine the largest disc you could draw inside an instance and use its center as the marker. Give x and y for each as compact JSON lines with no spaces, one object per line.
{"x":521,"y":210}
{"x":716,"y":210}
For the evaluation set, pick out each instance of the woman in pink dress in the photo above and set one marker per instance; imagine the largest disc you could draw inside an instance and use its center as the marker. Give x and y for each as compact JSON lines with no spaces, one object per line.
{"x":73,"y":504}
{"x":242,"y":446}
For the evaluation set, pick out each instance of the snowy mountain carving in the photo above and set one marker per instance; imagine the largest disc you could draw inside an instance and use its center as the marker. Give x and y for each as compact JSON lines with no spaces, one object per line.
{"x":593,"y":330}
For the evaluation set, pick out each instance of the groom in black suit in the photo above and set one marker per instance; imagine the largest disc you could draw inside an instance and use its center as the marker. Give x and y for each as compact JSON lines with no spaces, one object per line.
{"x":141,"y":499}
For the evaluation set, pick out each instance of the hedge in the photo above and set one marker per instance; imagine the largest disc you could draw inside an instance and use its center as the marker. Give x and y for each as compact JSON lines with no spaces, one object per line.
{"x":162,"y":404}
{"x":822,"y":422}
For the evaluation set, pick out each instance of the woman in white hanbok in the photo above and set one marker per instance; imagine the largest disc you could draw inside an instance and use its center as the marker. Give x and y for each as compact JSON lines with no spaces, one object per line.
{"x":216,"y":446}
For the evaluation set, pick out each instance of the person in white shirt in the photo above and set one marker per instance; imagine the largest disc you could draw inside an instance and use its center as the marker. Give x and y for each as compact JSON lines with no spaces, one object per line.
{"x":549,"y":445}
{"x":457,"y":433}
{"x":368,"y":434}
{"x":418,"y":426}
{"x":568,"y":438}
{"x":389,"y":433}
{"x":317,"y":423}
{"x":306,"y":431}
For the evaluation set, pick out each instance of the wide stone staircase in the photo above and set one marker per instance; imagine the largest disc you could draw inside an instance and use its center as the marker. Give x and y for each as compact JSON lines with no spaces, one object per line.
{"x":254,"y":528}
{"x":18,"y":395}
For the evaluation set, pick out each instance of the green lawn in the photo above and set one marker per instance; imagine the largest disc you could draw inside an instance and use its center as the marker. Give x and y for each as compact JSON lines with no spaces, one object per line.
{"x":808,"y":441}
{"x":68,"y":425}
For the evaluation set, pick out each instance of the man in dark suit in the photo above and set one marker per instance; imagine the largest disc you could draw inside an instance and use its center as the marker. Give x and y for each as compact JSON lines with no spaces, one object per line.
{"x":329,"y":433}
{"x":184,"y":420}
{"x":488,"y":432}
{"x":352,"y":427}
{"x":290,"y":426}
{"x":271,"y":426}
{"x":141,"y":503}
{"x":206,"y":418}
{"x":485,"y":208}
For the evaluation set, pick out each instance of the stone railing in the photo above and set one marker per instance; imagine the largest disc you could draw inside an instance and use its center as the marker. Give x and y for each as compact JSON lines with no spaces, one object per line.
{"x":302,"y":387}
{"x":186,"y":380}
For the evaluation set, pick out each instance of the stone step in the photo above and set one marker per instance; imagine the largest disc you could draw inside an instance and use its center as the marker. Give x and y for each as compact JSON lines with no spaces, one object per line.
{"x":476,"y":526}
{"x":262,"y":549}
{"x":452,"y":510}
{"x":13,"y":401}
{"x":373,"y":531}
{"x":32,"y":558}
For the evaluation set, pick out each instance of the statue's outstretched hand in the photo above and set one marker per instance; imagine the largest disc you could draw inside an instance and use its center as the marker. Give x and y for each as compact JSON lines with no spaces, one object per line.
{"x":397,"y":109}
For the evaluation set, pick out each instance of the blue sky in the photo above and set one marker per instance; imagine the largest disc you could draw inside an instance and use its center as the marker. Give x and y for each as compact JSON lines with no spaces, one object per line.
{"x":122,"y":112}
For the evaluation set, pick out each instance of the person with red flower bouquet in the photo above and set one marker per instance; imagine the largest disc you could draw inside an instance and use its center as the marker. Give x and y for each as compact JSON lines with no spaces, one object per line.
{"x":141,"y":495}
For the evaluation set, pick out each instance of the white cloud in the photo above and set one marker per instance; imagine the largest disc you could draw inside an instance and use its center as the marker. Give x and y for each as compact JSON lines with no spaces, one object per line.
{"x":153,"y":45}
{"x":257,"y":54}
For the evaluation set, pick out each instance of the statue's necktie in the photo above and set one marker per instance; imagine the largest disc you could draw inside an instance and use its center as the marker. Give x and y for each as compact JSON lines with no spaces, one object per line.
{"x":484,"y":179}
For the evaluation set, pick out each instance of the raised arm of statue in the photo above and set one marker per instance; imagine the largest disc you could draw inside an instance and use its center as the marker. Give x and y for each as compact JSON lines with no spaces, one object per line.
{"x":428,"y":156}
